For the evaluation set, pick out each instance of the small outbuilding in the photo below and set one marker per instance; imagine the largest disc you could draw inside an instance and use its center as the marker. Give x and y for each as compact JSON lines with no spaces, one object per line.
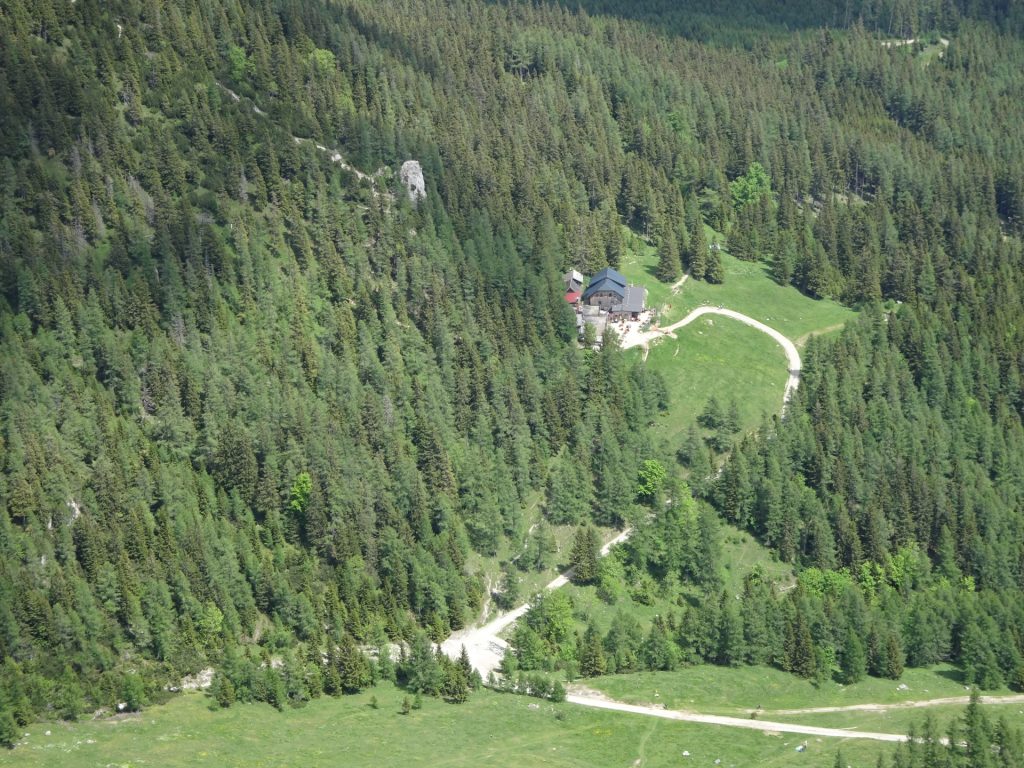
{"x":573,"y":280}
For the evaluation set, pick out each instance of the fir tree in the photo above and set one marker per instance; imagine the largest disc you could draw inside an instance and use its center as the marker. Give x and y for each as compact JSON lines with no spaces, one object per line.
{"x":853,"y":661}
{"x":591,"y":654}
{"x":223,"y":690}
{"x":698,"y":253}
{"x":669,"y":267}
{"x":714,"y":273}
{"x":9,"y":730}
{"x":585,"y":555}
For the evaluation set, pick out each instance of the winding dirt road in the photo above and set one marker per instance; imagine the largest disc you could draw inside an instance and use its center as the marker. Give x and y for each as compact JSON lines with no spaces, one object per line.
{"x":732,"y":722}
{"x":590,"y":698}
{"x":483,"y":645}
{"x":485,"y":649}
{"x":1015,"y":698}
{"x":792,"y":355}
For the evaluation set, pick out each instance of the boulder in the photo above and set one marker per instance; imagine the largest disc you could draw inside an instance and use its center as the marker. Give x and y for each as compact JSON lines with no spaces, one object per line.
{"x":411,"y":176}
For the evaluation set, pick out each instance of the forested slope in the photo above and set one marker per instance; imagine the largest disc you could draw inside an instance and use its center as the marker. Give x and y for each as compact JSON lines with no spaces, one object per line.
{"x":256,"y":406}
{"x":247,"y":399}
{"x":745,"y":22}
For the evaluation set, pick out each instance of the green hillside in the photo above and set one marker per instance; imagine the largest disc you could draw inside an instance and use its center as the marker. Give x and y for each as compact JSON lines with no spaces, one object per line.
{"x":287,"y":377}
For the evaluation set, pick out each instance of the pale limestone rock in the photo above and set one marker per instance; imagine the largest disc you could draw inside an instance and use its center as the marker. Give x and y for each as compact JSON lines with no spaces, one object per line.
{"x":411,"y":175}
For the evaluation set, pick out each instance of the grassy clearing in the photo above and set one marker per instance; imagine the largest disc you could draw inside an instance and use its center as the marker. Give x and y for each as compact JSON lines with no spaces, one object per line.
{"x":530,"y":582}
{"x":491,"y":730}
{"x":734,"y":691}
{"x":932,"y":53}
{"x":589,"y":607}
{"x":750,"y":289}
{"x":534,"y":581}
{"x":717,"y":356}
{"x":741,"y":553}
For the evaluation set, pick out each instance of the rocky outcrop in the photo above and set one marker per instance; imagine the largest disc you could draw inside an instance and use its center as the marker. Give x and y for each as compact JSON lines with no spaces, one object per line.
{"x":411,"y":176}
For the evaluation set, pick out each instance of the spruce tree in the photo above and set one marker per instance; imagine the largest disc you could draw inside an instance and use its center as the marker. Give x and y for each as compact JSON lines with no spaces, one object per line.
{"x":507,"y":595}
{"x":423,"y":672}
{"x":978,"y":734}
{"x":669,"y":268}
{"x":565,"y":500}
{"x":224,"y":690}
{"x":893,"y":657}
{"x":9,"y":730}
{"x":585,"y":555}
{"x":468,"y":672}
{"x":714,"y":272}
{"x":659,"y":651}
{"x":799,"y":647}
{"x":853,"y":661}
{"x":698,"y":253}
{"x":454,"y":685}
{"x":712,"y":417}
{"x":353,"y":666}
{"x":591,"y":653}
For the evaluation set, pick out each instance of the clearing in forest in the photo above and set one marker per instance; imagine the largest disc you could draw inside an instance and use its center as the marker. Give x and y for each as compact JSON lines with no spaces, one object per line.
{"x":720,"y":356}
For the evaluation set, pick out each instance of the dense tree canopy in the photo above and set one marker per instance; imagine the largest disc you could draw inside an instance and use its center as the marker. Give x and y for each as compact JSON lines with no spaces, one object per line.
{"x":258,"y":408}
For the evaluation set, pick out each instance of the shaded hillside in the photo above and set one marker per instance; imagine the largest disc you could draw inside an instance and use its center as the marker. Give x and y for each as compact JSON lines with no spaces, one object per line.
{"x":744,"y":22}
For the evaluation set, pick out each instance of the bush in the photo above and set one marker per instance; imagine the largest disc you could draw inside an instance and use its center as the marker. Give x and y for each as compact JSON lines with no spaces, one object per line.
{"x":558,"y":693}
{"x":8,"y":729}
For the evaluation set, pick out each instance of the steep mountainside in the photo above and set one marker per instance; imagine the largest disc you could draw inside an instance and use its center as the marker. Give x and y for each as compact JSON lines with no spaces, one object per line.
{"x":257,"y":405}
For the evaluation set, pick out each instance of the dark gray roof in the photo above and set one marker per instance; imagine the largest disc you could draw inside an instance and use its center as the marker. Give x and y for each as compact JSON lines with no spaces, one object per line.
{"x":633,"y":301}
{"x":604,"y":285}
{"x":609,"y":273}
{"x":606,"y":280}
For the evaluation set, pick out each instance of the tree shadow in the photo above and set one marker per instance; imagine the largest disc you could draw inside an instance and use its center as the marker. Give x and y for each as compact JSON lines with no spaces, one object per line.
{"x":652,"y":272}
{"x":726,"y":22}
{"x":956,"y":675}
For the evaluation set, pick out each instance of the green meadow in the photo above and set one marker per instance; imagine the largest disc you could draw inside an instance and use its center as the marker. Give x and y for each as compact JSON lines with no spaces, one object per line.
{"x":737,"y":690}
{"x":493,"y":730}
{"x":720,"y":356}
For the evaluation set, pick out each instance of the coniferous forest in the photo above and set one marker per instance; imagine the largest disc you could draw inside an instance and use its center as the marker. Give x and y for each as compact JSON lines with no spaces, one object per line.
{"x":260,"y":409}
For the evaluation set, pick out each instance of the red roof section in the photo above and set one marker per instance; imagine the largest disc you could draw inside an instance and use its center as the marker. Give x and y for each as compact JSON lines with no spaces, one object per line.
{"x":573,"y":296}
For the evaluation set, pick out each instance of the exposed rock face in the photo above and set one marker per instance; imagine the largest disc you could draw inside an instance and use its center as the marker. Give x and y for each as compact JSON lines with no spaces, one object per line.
{"x":412,"y":177}
{"x":200,"y":681}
